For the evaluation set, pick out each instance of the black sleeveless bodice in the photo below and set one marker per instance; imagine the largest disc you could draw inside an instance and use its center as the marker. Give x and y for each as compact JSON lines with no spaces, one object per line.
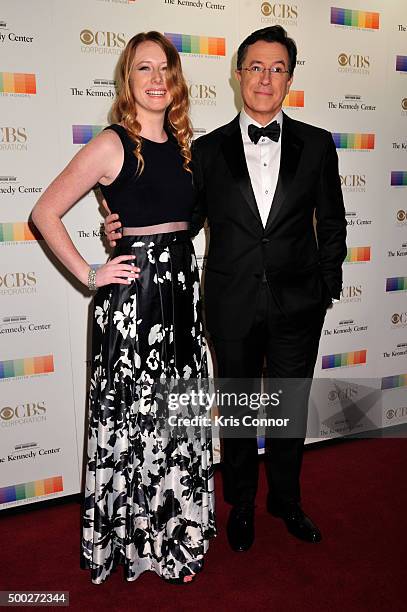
{"x":162,"y":193}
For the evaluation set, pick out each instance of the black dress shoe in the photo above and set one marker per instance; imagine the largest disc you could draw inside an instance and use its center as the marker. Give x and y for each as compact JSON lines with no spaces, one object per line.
{"x":297,"y":522}
{"x":240,"y":528}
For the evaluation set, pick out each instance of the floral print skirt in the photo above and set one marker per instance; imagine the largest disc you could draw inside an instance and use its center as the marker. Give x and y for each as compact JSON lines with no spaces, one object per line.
{"x":149,"y":500}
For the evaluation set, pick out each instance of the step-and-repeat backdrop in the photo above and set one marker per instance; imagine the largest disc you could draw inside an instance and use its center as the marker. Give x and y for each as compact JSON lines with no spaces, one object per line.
{"x":57,"y":62}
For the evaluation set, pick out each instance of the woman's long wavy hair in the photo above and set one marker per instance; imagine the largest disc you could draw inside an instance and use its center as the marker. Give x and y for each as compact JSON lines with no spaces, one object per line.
{"x":176,"y":117}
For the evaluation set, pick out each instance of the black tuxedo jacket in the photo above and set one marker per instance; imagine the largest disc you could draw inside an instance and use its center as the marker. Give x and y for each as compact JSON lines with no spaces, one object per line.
{"x":301,"y":259}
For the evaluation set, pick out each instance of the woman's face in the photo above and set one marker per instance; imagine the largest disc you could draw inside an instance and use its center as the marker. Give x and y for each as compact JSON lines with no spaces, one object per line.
{"x":148,"y":79}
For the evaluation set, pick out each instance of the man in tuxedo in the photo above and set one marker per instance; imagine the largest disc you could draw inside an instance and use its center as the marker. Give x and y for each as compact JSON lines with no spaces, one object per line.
{"x":270,"y":191}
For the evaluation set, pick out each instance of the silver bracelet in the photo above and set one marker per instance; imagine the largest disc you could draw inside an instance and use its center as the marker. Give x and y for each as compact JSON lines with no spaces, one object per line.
{"x":92,"y":279}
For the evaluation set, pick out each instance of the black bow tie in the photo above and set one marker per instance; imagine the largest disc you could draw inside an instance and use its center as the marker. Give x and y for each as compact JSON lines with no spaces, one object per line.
{"x":271,"y":131}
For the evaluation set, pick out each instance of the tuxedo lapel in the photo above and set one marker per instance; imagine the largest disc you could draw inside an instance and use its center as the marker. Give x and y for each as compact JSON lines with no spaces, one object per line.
{"x":233,"y":152}
{"x":291,"y":149}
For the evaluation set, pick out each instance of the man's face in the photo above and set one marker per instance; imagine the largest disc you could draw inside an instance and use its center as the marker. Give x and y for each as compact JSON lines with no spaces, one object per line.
{"x":263,"y":92}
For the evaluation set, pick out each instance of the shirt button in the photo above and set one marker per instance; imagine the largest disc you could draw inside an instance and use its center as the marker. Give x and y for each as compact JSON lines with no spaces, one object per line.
{"x":264,"y":164}
{"x":266,"y":192}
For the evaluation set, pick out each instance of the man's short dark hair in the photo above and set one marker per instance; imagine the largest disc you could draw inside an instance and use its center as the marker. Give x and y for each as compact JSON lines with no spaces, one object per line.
{"x":271,"y":34}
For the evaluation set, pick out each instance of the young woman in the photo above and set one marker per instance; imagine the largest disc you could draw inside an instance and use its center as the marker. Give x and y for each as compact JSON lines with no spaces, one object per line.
{"x":149,"y":500}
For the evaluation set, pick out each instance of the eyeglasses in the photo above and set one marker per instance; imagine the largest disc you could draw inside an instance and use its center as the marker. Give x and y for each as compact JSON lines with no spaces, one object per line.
{"x":261,"y":70}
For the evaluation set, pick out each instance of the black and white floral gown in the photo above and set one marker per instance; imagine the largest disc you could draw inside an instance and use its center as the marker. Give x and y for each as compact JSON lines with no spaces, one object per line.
{"x":149,"y":500}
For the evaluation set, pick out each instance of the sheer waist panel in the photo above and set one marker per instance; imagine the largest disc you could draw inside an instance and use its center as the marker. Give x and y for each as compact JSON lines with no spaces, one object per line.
{"x":160,"y":228}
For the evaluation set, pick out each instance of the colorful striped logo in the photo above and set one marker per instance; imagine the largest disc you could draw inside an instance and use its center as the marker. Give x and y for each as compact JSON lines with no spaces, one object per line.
{"x":201,"y":45}
{"x":294,"y":98}
{"x":81,"y":134}
{"x":18,"y":83}
{"x":354,"y":141}
{"x":36,"y":488}
{"x":355,"y":254}
{"x":28,"y":366}
{"x":394,"y":382}
{"x":342,"y":360}
{"x":396,"y":283}
{"x":19,"y":232}
{"x":401,"y":63}
{"x":399,"y":178}
{"x":355,"y":19}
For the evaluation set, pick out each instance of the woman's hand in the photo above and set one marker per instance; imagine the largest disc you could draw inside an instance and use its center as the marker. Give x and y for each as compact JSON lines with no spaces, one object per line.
{"x":115,"y":271}
{"x":111,"y":226}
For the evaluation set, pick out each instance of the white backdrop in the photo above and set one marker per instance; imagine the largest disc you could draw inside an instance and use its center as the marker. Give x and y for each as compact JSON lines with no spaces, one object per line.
{"x":57,"y":63}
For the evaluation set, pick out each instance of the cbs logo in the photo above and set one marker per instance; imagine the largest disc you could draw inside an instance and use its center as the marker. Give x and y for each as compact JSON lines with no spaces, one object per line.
{"x":13,"y":280}
{"x":202,"y":91}
{"x":342,"y":394}
{"x":354,"y":60}
{"x":13,"y":135}
{"x":352,"y":291}
{"x":394,"y":413}
{"x":353,"y":180}
{"x":22,"y":411}
{"x":282,"y":11}
{"x":112,"y":40}
{"x":398,"y":319}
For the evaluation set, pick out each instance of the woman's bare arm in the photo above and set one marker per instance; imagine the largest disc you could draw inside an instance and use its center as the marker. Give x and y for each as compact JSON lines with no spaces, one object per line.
{"x":100,"y":160}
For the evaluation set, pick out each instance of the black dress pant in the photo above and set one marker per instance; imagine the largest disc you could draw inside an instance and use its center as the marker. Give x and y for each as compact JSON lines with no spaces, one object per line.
{"x":288,"y":347}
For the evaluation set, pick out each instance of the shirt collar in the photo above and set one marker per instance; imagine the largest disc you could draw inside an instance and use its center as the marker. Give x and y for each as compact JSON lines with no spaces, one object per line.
{"x":245,"y":120}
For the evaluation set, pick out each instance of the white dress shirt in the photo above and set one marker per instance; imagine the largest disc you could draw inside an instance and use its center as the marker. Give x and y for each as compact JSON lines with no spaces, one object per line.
{"x":263,"y":163}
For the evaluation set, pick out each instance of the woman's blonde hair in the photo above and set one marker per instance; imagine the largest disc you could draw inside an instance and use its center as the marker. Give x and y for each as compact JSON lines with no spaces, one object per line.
{"x":176,"y":117}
